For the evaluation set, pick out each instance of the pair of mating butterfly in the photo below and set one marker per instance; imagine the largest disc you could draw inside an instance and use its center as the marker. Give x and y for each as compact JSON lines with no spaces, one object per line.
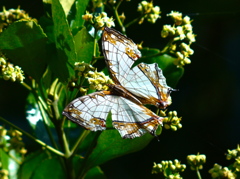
{"x":133,"y":88}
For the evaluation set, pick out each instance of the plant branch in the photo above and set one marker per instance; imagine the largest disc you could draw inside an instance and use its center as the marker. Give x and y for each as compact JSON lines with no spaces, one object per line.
{"x":26,"y":86}
{"x":198,"y":174}
{"x":14,"y":158}
{"x":33,"y":138}
{"x":134,"y":21}
{"x":118,"y":19}
{"x":45,"y":124}
{"x":79,"y":141}
{"x":84,"y":168}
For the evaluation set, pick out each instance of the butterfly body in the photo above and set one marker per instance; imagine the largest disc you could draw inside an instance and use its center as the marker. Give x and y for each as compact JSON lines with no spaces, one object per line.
{"x":125,"y":100}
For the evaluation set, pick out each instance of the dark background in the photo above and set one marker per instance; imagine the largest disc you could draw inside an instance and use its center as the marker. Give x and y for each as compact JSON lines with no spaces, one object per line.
{"x":208,"y":97}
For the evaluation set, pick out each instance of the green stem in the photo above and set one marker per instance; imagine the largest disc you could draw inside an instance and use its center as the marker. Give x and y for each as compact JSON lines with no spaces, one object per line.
{"x":198,"y":174}
{"x":46,"y":126}
{"x":26,"y":86}
{"x":65,"y":145}
{"x":79,"y":141}
{"x":84,"y":167}
{"x":62,"y":136}
{"x":134,"y":21}
{"x":118,"y":4}
{"x":66,"y":161}
{"x":118,"y":19}
{"x":95,"y":46}
{"x":14,"y":158}
{"x":33,"y":138}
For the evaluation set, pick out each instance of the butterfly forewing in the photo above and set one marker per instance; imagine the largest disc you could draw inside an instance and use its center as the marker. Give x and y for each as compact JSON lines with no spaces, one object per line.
{"x":120,"y":53}
{"x":145,"y":81}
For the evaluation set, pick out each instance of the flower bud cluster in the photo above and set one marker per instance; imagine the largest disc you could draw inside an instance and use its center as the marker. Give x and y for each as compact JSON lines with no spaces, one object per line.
{"x":97,"y":80}
{"x":11,"y":140}
{"x":149,"y":12}
{"x":9,"y":71}
{"x":196,"y":161}
{"x":4,"y":174}
{"x":182,"y":37}
{"x":99,"y":21}
{"x":236,"y":164}
{"x":170,"y":169}
{"x":83,"y":68}
{"x":171,"y":121}
{"x":218,"y":172}
{"x":233,"y":154}
{"x":7,"y":17}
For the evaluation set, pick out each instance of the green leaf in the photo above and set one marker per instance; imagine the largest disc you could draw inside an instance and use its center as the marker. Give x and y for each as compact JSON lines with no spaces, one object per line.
{"x":51,"y":168}
{"x":63,"y":65}
{"x":95,"y":172}
{"x":24,"y":43}
{"x":171,"y":72}
{"x":78,"y":21}
{"x":37,"y":165}
{"x":67,"y":5}
{"x":4,"y":158}
{"x":31,"y":164}
{"x":84,"y":45}
{"x":111,"y":145}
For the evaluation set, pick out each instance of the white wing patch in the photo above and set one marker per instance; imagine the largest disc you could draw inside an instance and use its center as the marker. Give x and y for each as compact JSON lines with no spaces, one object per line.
{"x":148,"y":82}
{"x":130,"y":119}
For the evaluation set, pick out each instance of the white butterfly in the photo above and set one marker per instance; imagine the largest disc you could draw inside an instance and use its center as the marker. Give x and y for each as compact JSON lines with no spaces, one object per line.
{"x":143,"y":84}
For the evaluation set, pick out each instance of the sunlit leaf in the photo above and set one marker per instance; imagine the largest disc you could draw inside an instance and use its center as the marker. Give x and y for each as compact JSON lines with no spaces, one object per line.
{"x":111,"y":145}
{"x":24,"y":43}
{"x":84,"y":45}
{"x":63,"y":64}
{"x":67,"y":4}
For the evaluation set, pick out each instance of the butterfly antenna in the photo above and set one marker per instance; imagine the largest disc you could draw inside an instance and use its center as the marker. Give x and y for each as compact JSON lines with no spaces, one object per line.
{"x":158,"y":139}
{"x":171,"y":89}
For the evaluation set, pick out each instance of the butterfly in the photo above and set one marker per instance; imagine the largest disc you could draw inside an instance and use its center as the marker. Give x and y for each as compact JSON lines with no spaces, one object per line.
{"x":125,"y":99}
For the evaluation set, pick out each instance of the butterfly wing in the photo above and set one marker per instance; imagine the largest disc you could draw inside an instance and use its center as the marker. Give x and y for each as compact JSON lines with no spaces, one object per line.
{"x":130,"y":119}
{"x":120,"y":53}
{"x":147,"y":82}
{"x":89,"y":111}
{"x":144,"y":81}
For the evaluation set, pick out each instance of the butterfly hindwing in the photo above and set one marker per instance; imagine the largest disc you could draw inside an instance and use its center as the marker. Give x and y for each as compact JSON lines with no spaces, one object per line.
{"x":147,"y":81}
{"x":130,"y":119}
